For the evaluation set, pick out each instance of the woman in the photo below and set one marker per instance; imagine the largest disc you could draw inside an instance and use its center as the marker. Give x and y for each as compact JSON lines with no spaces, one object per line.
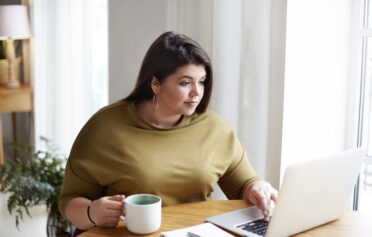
{"x":161,"y":139}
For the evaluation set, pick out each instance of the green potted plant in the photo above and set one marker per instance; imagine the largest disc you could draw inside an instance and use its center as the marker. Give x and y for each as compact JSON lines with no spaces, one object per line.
{"x":35,"y":178}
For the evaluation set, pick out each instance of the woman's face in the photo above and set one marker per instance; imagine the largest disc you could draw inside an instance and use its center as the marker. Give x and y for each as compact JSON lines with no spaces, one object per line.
{"x":182,"y":91}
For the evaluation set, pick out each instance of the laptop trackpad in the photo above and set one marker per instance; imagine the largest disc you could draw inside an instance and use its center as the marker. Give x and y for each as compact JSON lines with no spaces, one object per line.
{"x":235,"y":218}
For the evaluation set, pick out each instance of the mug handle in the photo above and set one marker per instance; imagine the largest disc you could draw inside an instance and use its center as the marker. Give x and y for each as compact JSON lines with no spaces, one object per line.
{"x":123,"y":218}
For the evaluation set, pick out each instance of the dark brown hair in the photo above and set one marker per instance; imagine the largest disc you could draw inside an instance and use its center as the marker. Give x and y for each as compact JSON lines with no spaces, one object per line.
{"x":169,"y":52}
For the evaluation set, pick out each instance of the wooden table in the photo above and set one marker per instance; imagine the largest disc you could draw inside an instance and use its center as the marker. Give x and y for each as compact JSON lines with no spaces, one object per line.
{"x":179,"y":216}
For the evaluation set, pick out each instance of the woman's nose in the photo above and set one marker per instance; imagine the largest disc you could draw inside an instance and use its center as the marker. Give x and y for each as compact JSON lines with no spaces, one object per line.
{"x":196,"y":90}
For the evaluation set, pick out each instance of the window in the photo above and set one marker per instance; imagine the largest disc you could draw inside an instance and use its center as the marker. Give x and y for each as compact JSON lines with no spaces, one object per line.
{"x":363,"y":196}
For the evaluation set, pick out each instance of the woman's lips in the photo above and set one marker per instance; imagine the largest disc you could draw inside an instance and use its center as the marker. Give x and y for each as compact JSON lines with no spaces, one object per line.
{"x":192,"y":103}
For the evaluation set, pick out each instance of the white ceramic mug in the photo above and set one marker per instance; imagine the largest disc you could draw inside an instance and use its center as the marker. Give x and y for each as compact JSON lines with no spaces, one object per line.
{"x":142,"y":213}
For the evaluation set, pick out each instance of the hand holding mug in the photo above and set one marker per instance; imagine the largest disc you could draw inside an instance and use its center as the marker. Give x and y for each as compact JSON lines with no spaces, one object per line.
{"x":106,"y":211}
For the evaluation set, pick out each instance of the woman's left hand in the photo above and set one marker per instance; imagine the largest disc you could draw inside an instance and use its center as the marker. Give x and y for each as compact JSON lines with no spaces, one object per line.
{"x":260,"y":193}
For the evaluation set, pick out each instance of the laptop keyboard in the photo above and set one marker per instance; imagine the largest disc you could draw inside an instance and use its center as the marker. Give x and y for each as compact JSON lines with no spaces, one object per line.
{"x":259,"y":227}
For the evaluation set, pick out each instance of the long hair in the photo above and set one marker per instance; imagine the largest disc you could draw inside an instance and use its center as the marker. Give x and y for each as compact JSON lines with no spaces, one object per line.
{"x":166,"y":54}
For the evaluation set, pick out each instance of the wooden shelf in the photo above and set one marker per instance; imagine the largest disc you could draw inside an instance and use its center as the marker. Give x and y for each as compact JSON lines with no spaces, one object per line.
{"x":16,"y":99}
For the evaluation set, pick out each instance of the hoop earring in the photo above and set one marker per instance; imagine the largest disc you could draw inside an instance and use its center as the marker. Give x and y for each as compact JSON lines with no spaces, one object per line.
{"x":155,"y":102}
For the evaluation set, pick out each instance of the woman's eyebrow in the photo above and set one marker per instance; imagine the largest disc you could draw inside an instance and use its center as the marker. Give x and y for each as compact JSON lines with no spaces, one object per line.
{"x":190,"y":77}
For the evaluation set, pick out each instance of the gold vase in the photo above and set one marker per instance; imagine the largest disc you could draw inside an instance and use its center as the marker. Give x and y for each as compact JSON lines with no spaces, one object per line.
{"x":4,"y":71}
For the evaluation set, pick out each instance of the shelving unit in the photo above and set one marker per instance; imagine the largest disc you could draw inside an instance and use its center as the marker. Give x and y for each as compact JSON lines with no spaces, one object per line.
{"x":21,"y":99}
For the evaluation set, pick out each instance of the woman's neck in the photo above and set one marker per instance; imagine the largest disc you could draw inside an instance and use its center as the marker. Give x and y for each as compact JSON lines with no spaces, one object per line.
{"x":156,"y":117}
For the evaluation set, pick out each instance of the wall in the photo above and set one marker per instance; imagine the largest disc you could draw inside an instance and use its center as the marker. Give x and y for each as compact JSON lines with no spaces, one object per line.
{"x":125,"y":50}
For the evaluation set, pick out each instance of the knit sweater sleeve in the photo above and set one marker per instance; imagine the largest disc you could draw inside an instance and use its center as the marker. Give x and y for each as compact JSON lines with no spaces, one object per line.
{"x":75,"y":186}
{"x":239,"y":172}
{"x":238,"y":176}
{"x":84,"y":169}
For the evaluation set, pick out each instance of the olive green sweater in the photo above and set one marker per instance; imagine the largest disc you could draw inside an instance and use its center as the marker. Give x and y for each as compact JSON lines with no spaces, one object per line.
{"x":117,"y":152}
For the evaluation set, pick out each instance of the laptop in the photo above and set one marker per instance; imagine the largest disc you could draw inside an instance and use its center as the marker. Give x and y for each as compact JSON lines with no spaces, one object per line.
{"x":312,"y":193}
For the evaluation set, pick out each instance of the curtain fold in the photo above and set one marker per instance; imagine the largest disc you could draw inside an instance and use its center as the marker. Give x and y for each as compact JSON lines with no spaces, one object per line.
{"x":70,"y":66}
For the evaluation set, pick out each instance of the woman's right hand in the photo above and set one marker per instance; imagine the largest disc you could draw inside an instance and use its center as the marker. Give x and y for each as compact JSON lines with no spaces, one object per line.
{"x":106,"y":211}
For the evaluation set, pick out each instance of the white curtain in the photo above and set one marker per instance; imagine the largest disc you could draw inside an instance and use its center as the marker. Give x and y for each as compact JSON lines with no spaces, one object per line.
{"x":236,"y":35}
{"x":71,"y":77}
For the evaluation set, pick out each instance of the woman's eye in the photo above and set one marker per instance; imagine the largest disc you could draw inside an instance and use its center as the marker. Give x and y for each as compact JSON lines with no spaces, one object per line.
{"x":202,"y":82}
{"x":185,"y":83}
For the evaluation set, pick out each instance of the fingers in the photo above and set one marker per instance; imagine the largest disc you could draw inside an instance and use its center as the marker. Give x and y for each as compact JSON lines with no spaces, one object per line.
{"x":114,"y":202}
{"x":107,"y":210}
{"x":261,"y":202}
{"x":118,"y":198}
{"x":260,"y":193}
{"x":267,"y":211}
{"x":110,"y":205}
{"x":111,"y":213}
{"x":274,"y":195}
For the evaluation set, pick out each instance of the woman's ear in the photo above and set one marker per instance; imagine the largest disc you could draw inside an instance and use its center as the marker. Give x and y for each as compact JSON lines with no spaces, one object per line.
{"x":155,"y":85}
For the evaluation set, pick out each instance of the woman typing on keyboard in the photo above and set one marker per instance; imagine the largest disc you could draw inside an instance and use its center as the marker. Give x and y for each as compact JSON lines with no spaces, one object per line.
{"x":161,"y":139}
